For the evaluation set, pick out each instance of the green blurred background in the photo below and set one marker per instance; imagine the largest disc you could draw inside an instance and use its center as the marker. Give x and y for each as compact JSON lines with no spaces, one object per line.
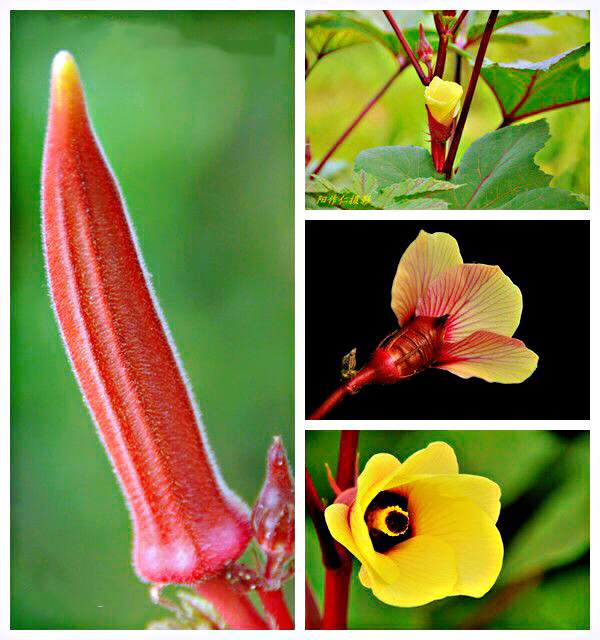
{"x":544,"y":522}
{"x":343,"y":82}
{"x":195,"y":113}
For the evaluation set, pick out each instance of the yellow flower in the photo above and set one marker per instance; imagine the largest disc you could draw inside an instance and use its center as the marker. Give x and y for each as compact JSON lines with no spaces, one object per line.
{"x":421,"y":530}
{"x":443,"y":100}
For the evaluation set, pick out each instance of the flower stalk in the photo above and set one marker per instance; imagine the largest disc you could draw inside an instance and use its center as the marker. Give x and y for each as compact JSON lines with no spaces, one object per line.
{"x":407,"y":49}
{"x":337,"y":580}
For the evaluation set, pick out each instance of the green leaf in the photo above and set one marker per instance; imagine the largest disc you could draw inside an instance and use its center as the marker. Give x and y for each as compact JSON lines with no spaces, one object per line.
{"x":505,"y":18}
{"x":364,"y":184}
{"x":415,"y":204}
{"x":335,"y":30}
{"x":559,"y":530}
{"x":402,"y":194}
{"x":499,"y":165}
{"x":329,"y":32}
{"x":525,"y":88}
{"x":545,"y":198}
{"x":391,"y":165}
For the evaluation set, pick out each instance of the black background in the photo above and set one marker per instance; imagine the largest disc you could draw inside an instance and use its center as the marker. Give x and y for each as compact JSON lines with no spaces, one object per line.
{"x":350,"y":266}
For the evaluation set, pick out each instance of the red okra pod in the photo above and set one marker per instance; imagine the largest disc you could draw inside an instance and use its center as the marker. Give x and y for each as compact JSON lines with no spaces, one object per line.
{"x":187,"y":524}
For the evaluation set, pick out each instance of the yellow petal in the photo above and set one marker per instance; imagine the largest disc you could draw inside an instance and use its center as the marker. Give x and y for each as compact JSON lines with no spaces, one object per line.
{"x":443,"y":99}
{"x":424,"y":260}
{"x":374,"y":476}
{"x":436,"y":458}
{"x":363,"y":576}
{"x":467,"y":529}
{"x":426,"y":569}
{"x":483,"y":492}
{"x":336,"y":517}
{"x":476,"y":297}
{"x":489,"y":356}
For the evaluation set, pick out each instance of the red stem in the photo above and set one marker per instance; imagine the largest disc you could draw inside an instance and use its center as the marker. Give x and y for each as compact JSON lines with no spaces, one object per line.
{"x":234,"y":607}
{"x":374,"y":100}
{"x":362,"y":378}
{"x":346,"y":468}
{"x":337,"y":591}
{"x":314,"y":505}
{"x":440,"y":60}
{"x":454,"y":28}
{"x":487,"y":34}
{"x":509,"y":120}
{"x":312,"y":615}
{"x":337,"y":581}
{"x":404,"y":42}
{"x":275,"y":606}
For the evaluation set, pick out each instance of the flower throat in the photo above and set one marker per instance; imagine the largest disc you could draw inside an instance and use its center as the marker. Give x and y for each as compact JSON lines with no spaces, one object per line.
{"x":388,"y":520}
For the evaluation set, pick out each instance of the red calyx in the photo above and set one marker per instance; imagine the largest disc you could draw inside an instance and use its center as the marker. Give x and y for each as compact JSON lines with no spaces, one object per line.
{"x":187,"y":524}
{"x":439,"y":134}
{"x":408,"y":350}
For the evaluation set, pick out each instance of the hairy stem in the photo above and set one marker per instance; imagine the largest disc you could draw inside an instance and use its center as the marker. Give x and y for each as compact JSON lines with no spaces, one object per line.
{"x":409,"y":52}
{"x":372,"y":102}
{"x":483,"y":45}
{"x":276,"y":608}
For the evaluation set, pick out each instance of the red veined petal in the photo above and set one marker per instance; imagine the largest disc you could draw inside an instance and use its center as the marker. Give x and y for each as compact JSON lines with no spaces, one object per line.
{"x":424,"y":260}
{"x":475,"y":297}
{"x":490,"y":356}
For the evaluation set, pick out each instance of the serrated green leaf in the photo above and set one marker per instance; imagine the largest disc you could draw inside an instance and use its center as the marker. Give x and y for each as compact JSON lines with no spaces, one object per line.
{"x":544,"y":198}
{"x":499,"y":166}
{"x":419,"y":204}
{"x":559,"y":530}
{"x":329,"y":32}
{"x":391,"y":165}
{"x":318,"y":184}
{"x":364,"y":184}
{"x":334,"y":30}
{"x":505,"y":18}
{"x":524,"y":88}
{"x":407,"y":189}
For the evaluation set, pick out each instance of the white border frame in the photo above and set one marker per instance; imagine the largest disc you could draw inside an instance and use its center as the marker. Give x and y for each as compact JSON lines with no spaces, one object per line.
{"x":300,"y":216}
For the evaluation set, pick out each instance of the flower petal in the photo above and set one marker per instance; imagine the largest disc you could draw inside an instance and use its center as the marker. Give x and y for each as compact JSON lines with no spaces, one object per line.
{"x":374,"y":477}
{"x":489,"y":356}
{"x":475,"y":297}
{"x":467,"y":529}
{"x":483,"y":492}
{"x":426,"y":569}
{"x":336,"y":517}
{"x":436,"y":458}
{"x":424,"y":260}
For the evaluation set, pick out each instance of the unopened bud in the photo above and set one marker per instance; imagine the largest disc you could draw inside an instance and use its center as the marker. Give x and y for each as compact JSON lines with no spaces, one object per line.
{"x":273,"y":513}
{"x":424,"y":48}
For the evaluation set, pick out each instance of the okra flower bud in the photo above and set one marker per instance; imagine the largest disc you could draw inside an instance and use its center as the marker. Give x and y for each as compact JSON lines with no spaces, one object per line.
{"x":442,"y":99}
{"x":273,"y":513}
{"x":187,"y":524}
